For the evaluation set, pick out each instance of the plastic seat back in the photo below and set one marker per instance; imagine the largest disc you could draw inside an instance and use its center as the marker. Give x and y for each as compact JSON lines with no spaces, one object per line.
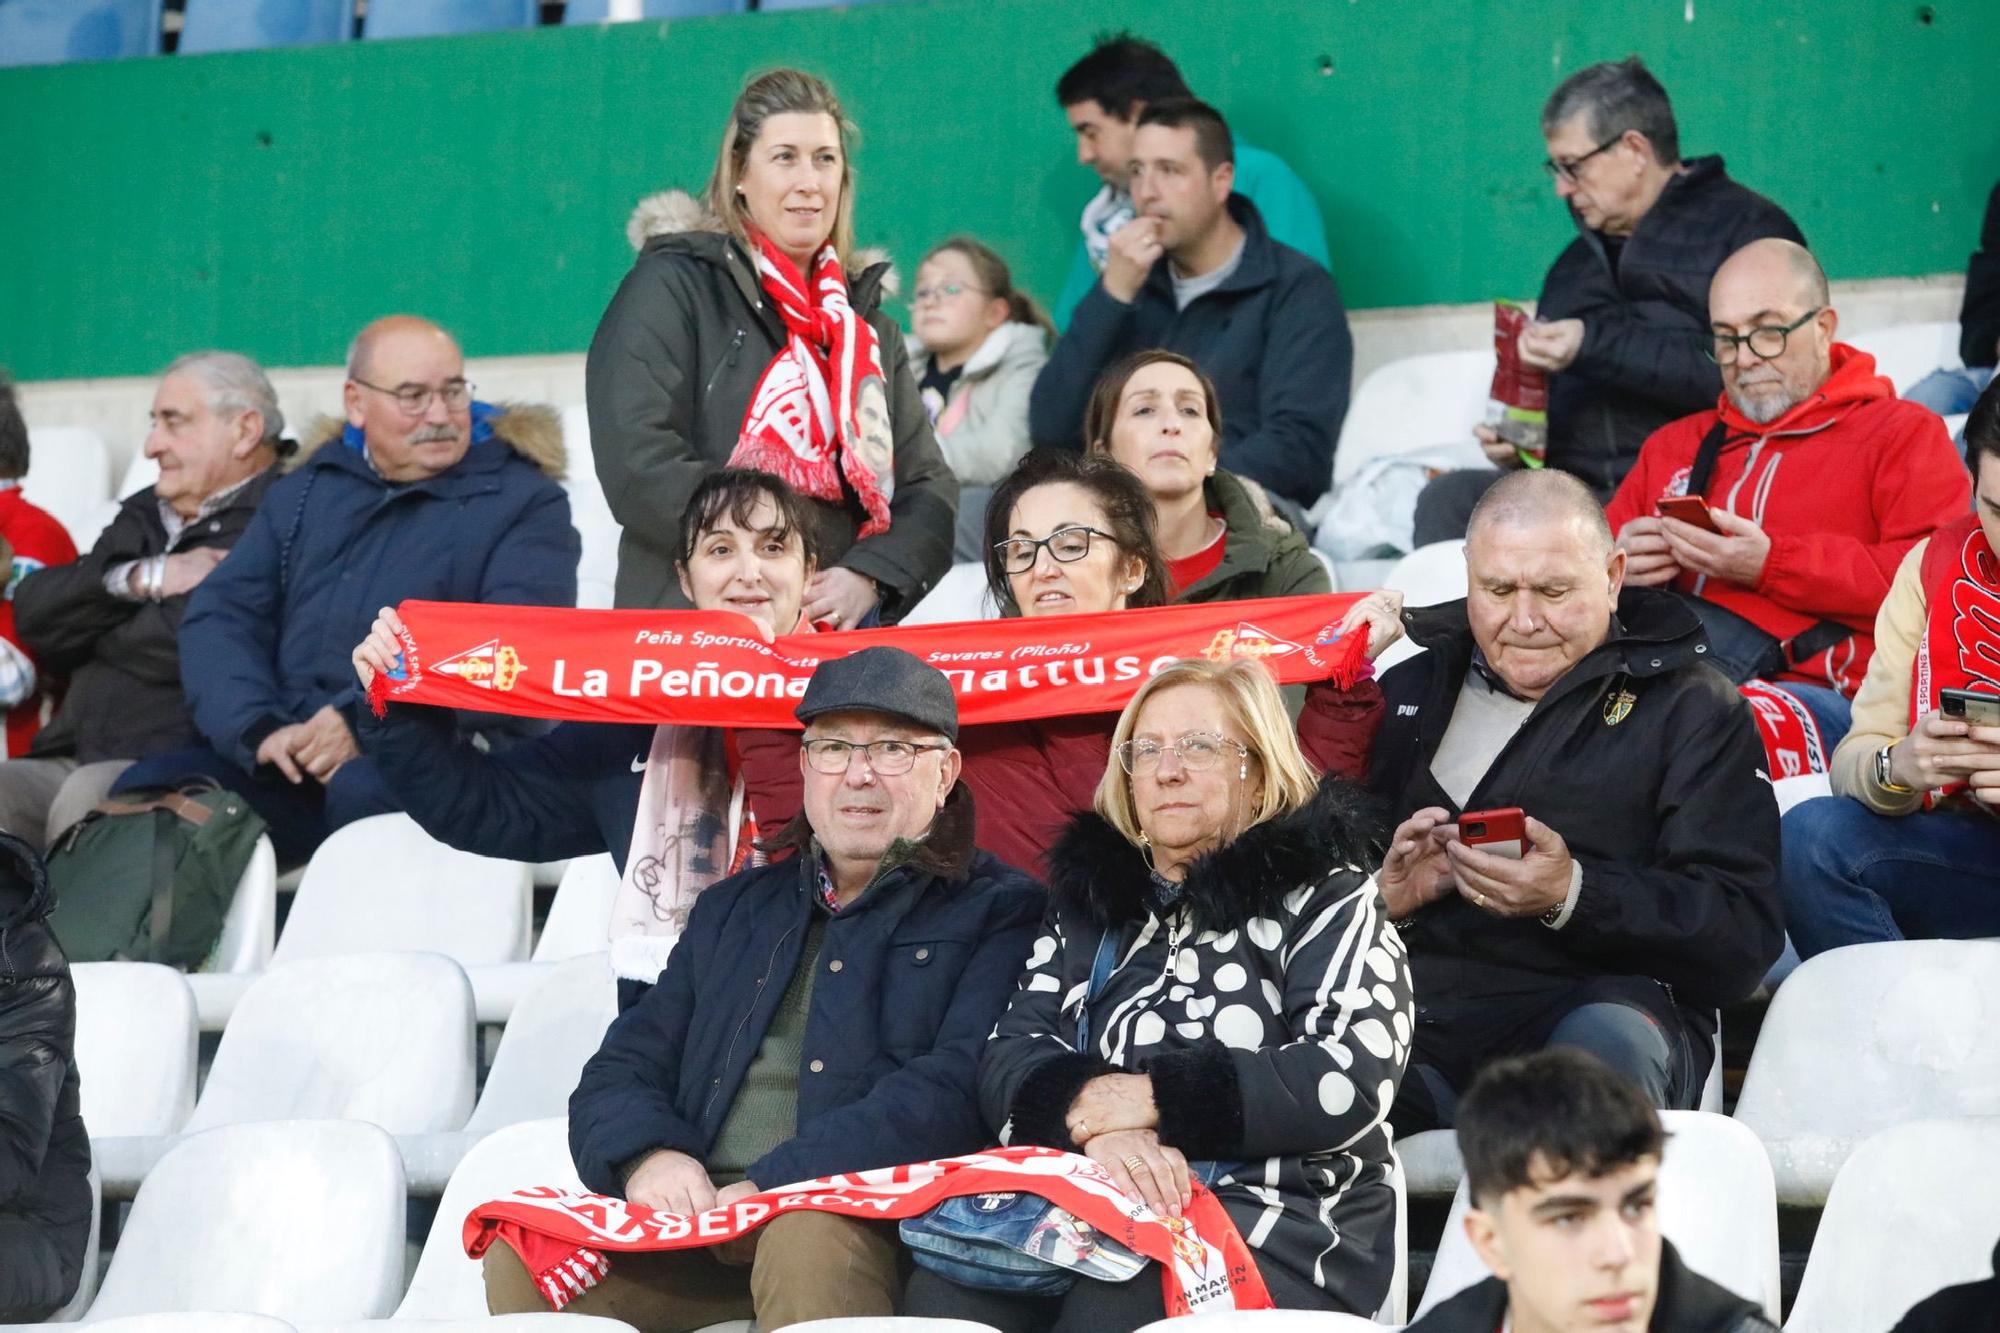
{"x":555,"y":1028}
{"x":1414,"y":404}
{"x":590,"y":512}
{"x":55,"y":32}
{"x":247,"y":25}
{"x":1866,"y":1037}
{"x":580,"y":916}
{"x":960,"y":595}
{"x":295,"y":1219}
{"x":1914,"y":1209}
{"x":69,"y":474}
{"x":383,"y":883}
{"x":447,"y":1284}
{"x":437,"y":18}
{"x":1908,"y":352}
{"x":386,"y":1038}
{"x":249,"y":929}
{"x":136,"y":1048}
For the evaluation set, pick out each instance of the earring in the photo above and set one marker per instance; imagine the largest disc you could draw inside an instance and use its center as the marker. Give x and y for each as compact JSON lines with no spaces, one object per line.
{"x":1243,"y":771}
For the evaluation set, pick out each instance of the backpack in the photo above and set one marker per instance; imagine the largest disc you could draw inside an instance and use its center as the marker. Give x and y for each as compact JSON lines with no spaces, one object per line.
{"x":149,"y":877}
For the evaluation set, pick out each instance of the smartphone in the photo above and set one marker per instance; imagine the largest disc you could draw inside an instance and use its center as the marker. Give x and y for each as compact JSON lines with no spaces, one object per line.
{"x":1981,"y":710}
{"x":1504,"y":832}
{"x":1689,"y":509}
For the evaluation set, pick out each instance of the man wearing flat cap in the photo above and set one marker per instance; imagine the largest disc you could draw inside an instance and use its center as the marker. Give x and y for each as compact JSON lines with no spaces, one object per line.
{"x":821,"y":1014}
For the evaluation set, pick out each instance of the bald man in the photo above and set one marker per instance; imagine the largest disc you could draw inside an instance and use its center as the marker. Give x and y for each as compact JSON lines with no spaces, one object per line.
{"x":421,"y":492}
{"x":1816,"y":478}
{"x":1641,"y":894}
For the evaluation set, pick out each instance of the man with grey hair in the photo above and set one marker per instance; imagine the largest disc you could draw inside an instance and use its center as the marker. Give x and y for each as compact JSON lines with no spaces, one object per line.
{"x":109,"y":620}
{"x":419,"y":493}
{"x":1588,"y":847}
{"x":1816,"y":481}
{"x":1619,"y":323}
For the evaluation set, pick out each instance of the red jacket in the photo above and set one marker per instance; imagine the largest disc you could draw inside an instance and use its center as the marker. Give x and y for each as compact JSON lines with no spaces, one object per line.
{"x":1029,"y":778}
{"x":1844,"y":484}
{"x":39,"y":540}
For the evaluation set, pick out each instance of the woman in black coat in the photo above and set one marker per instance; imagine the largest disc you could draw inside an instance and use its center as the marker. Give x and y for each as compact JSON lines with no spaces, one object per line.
{"x":44,"y":1151}
{"x":749,"y":333}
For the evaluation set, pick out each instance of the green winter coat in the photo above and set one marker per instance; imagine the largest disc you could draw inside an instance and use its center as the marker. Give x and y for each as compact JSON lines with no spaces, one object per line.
{"x":1257,"y":561}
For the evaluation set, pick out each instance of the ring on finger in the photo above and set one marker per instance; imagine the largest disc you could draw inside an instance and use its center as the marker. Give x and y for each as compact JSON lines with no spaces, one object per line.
{"x":1134,"y":1162}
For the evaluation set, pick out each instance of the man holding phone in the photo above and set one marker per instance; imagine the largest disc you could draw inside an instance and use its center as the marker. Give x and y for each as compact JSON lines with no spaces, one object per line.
{"x":1574,"y":721}
{"x":1908,"y":846}
{"x":1781,"y":512}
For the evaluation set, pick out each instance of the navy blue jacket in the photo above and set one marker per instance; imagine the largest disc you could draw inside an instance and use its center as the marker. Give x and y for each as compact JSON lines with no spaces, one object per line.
{"x":268,"y":636}
{"x":1273,"y":337}
{"x":572,"y":792}
{"x":927,"y":957}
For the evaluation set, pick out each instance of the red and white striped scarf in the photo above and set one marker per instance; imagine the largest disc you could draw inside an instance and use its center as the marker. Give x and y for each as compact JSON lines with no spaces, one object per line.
{"x":821,"y":410}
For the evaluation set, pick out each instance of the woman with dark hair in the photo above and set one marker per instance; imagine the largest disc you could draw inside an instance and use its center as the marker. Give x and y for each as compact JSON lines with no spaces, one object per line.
{"x":978,"y":342}
{"x":1217,"y":995}
{"x":676,"y":807}
{"x":1157,"y":413}
{"x":1073,"y":534}
{"x":750,"y":333}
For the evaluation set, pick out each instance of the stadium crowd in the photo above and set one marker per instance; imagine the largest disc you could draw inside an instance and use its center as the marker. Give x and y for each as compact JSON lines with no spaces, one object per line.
{"x":1229,"y":935}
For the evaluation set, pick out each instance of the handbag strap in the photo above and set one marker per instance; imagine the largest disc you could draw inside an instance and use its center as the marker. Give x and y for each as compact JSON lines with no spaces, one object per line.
{"x":1814,"y":639}
{"x":1101,"y":968}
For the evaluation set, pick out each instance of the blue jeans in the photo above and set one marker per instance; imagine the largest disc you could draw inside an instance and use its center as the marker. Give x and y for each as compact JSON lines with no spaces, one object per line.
{"x":1851,"y":876}
{"x":1830,"y":708}
{"x":1951,"y":392}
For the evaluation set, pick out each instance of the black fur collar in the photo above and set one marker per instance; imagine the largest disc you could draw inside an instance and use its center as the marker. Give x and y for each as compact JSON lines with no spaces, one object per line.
{"x":1093,"y":870}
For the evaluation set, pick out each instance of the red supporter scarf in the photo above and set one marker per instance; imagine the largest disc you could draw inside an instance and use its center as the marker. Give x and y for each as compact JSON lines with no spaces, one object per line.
{"x":566,"y":1239}
{"x":1792,"y":742}
{"x":821,"y":411}
{"x":710,"y":669}
{"x":1960,"y":649}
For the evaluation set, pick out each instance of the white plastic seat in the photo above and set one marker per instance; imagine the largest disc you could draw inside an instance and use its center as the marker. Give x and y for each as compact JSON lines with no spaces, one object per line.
{"x":1426,"y":576}
{"x":243,"y":951}
{"x":86,"y":1286}
{"x":140,"y":473}
{"x":555,"y":1029}
{"x":136,"y":1048}
{"x":590,"y":512}
{"x":579,"y":920}
{"x":1412,"y":405}
{"x":960,"y":595}
{"x":199,"y":1321}
{"x":1914,"y":1209}
{"x":549,"y":1323}
{"x":1866,"y":1037}
{"x":69,"y":474}
{"x":1716,"y":1204}
{"x":446,"y":1284}
{"x":1908,"y":352}
{"x":291,"y":1219}
{"x":897,"y":1324}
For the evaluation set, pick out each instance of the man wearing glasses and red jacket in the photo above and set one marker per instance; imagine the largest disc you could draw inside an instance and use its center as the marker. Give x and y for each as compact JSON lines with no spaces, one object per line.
{"x":1815,"y":477}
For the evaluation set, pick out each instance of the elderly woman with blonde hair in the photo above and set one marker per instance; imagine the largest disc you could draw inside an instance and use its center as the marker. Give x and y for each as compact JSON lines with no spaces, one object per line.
{"x":1217,"y":995}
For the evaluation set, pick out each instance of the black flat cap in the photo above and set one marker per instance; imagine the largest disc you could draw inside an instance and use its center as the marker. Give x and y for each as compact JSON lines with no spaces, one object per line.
{"x":882,"y":680}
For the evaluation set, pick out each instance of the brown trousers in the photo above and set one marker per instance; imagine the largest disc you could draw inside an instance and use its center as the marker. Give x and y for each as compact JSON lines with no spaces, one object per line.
{"x":809,"y":1266}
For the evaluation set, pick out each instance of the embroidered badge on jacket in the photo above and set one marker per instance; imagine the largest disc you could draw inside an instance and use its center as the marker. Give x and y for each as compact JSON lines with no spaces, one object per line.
{"x":1618,"y":707}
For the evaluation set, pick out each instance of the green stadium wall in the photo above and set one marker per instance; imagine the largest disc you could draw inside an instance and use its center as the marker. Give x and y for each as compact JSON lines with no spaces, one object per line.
{"x":274,"y":201}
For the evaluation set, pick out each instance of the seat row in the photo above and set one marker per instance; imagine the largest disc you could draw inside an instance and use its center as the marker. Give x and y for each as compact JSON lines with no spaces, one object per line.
{"x":311,"y":1214}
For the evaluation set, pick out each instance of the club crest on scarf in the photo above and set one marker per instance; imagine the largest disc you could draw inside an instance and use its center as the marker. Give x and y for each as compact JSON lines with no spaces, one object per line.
{"x":820,"y":413}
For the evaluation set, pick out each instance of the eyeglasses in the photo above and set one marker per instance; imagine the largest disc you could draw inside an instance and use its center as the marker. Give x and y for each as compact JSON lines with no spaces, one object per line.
{"x":1198,"y":750}
{"x":1566,"y":171}
{"x":887,"y":758}
{"x":942,"y":292}
{"x":1765,"y":341}
{"x":1065,"y":546}
{"x":415,"y":398}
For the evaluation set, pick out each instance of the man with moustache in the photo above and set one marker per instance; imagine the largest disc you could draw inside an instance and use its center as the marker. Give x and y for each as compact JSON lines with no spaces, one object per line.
{"x":422,"y":493}
{"x":1817,"y":479}
{"x":1197,"y":273}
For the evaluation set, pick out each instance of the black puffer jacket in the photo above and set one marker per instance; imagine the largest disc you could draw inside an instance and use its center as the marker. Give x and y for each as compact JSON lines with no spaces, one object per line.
{"x":1687,"y":1302}
{"x":123,"y":658}
{"x":671,"y":370}
{"x":1646,"y":760}
{"x":44,"y":1152}
{"x":1641,"y":364}
{"x":1979,"y":317}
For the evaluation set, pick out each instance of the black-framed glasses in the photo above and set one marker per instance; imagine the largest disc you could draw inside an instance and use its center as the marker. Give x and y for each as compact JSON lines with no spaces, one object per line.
{"x":1064,"y":545}
{"x":414,"y":398}
{"x":887,"y":758}
{"x":1196,"y":751}
{"x":1566,"y":171}
{"x":1766,"y":341}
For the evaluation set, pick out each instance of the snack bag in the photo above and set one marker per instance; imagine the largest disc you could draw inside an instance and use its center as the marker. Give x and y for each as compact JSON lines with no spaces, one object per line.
{"x":1517,"y":407}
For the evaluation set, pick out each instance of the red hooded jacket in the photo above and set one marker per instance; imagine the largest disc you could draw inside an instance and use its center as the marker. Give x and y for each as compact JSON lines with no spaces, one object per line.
{"x":1844,"y":485}
{"x":38,"y":540}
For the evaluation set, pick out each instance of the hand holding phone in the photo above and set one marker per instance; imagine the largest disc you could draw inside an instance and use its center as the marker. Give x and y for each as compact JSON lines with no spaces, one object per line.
{"x":1689,"y":509}
{"x":1502,"y":831}
{"x":1974,"y":707}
